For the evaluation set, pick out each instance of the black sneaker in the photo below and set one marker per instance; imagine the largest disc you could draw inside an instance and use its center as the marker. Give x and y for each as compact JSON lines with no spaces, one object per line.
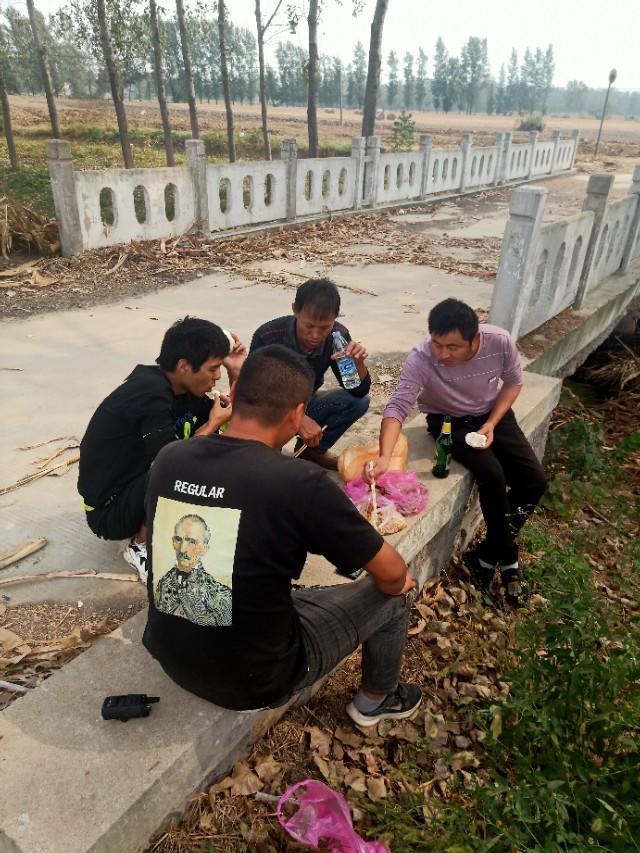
{"x":402,"y":703}
{"x":479,"y":576}
{"x":516,"y":589}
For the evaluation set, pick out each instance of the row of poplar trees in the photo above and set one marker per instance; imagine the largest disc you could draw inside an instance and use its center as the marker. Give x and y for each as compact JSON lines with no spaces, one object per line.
{"x":107,"y":24}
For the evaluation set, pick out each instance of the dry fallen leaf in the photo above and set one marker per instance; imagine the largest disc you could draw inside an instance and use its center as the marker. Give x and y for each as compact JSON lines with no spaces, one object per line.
{"x":376,"y":788}
{"x":354,"y":778}
{"x":268,"y":769}
{"x":244,"y":781}
{"x":349,"y":738}
{"x":319,"y":740}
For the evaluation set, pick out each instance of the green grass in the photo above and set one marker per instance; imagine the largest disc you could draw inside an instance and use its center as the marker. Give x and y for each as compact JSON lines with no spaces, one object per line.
{"x":98,"y":147}
{"x":562,"y":760}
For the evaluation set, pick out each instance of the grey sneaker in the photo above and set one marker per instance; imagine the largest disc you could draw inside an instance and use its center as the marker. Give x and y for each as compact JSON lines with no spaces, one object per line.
{"x":402,"y":703}
{"x":135,"y":554}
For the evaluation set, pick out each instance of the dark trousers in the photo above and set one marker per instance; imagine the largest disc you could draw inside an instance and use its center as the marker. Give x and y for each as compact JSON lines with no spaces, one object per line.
{"x":335,"y":620}
{"x":123,"y":515}
{"x":336,"y":410}
{"x":510,"y":479}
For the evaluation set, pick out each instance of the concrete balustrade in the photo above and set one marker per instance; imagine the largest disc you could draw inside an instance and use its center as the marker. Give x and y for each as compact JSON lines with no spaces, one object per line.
{"x":103,"y":208}
{"x":545,"y":268}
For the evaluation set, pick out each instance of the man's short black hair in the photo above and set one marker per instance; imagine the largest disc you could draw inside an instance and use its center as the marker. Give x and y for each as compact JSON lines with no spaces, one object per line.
{"x":194,"y":340}
{"x":320,"y":295}
{"x":452,"y":315}
{"x":273,"y":380}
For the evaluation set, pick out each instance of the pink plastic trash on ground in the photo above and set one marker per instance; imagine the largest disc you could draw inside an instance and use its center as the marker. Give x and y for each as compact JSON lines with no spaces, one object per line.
{"x":400,"y":488}
{"x":323,"y":815}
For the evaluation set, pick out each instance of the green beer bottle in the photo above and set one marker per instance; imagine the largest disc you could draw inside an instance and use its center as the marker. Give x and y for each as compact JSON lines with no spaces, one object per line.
{"x":442,"y":456}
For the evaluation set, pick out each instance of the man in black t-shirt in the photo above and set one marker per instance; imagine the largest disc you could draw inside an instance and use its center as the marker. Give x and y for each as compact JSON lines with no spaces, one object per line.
{"x":310,"y":331}
{"x":253,"y":515}
{"x":154,"y":406}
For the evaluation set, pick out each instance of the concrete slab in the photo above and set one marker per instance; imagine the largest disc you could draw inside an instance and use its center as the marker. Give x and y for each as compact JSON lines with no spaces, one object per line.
{"x":106,"y":787}
{"x":66,"y":363}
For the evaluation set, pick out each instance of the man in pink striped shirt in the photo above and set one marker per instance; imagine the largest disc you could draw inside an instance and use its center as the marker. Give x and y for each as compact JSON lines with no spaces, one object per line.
{"x":472,"y":373}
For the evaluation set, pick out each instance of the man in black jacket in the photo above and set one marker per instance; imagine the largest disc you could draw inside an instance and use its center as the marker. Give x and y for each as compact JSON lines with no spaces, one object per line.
{"x":310,"y":331}
{"x":155,"y":405}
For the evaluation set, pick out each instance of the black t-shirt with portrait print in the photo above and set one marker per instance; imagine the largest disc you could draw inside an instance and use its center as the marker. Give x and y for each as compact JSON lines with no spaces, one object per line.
{"x":248,"y":515}
{"x":130,"y":427}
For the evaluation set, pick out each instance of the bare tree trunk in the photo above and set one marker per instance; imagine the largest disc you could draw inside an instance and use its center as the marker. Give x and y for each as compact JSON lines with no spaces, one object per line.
{"x":373,"y":73}
{"x":117,"y":91}
{"x":159,"y":78}
{"x":41,"y":49}
{"x":188,"y":73}
{"x":312,"y":99}
{"x":6,"y":119}
{"x":263,"y":93}
{"x":224,"y":73}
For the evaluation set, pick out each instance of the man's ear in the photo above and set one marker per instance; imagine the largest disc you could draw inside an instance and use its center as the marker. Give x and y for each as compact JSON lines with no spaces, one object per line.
{"x":297,"y":415}
{"x":183,"y":366}
{"x":293,"y":308}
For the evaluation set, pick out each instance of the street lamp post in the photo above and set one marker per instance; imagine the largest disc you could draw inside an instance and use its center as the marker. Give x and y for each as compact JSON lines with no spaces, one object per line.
{"x":612,"y":78}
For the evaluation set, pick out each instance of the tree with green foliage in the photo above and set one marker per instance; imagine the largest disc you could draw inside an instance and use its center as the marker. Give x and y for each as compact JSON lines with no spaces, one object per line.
{"x":453,"y":85}
{"x":373,"y":69}
{"x":7,"y":125}
{"x":474,"y":70}
{"x":403,"y":133}
{"x":548,"y":70}
{"x":393,"y":80}
{"x":439,"y":82}
{"x":262,"y":25}
{"x":409,"y":87}
{"x":359,"y":74}
{"x":576,"y":96}
{"x":422,"y":82}
{"x":512,"y":92}
{"x":501,"y":92}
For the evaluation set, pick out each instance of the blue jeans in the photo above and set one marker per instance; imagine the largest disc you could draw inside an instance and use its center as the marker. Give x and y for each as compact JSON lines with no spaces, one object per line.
{"x":337,"y":410}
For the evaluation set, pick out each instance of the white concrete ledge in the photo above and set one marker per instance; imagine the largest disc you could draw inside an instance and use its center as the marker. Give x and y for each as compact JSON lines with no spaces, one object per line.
{"x":73,"y":783}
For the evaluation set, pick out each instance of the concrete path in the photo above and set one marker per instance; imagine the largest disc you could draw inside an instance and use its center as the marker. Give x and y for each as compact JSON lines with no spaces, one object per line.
{"x":55,"y":369}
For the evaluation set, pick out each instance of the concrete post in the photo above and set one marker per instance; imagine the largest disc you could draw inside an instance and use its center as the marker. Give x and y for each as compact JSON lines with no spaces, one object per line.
{"x":358,"y":148}
{"x":504,"y":159}
{"x":516,"y":271}
{"x":425,"y":156}
{"x":466,"y":145}
{"x":495,"y":179}
{"x":533,"y":141}
{"x":197,"y":162}
{"x":372,"y":164}
{"x":598,"y":190}
{"x":65,"y":200}
{"x":555,"y":136}
{"x":575,"y":135}
{"x":634,"y":230}
{"x":289,"y":155}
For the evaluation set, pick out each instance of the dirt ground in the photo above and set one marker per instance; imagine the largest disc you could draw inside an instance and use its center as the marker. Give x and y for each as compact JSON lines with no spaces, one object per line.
{"x":291,"y":121}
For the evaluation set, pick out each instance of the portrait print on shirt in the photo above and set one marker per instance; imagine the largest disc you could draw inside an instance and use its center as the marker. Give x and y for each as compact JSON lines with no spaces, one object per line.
{"x":193,"y":554}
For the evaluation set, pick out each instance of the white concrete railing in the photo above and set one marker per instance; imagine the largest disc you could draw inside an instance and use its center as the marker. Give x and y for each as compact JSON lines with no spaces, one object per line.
{"x":546,"y":268}
{"x":103,"y":208}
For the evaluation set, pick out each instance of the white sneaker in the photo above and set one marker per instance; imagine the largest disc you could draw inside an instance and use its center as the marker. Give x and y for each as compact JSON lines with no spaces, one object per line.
{"x":135,"y":554}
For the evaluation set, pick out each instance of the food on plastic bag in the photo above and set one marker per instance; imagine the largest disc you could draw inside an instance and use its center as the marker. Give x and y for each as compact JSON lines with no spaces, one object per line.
{"x":474,"y":439}
{"x":398,"y":493}
{"x":351,"y":463}
{"x":323,"y":815}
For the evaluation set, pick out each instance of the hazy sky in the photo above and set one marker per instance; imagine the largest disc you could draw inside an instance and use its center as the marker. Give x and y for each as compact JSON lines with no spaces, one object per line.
{"x":589,"y":36}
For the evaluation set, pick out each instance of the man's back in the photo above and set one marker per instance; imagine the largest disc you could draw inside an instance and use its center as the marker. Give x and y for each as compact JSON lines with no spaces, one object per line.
{"x":260,"y":513}
{"x":128,"y":429}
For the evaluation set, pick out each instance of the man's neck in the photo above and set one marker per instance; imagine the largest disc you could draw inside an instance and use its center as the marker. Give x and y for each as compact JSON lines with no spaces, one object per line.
{"x":251,"y":430}
{"x":176,"y":386}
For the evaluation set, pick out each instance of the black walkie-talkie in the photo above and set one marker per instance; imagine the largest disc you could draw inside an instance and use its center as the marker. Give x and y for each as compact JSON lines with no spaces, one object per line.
{"x":127,"y":707}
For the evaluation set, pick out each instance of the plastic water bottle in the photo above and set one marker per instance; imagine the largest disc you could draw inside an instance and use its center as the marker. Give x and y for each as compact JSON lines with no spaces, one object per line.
{"x":346,"y":365}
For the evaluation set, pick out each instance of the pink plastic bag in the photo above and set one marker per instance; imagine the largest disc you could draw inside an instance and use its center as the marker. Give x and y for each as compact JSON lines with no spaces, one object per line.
{"x":323,"y":815}
{"x":400,"y":488}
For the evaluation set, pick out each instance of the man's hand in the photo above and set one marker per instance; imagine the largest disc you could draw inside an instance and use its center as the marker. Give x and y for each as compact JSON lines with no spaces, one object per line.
{"x":357,"y":352}
{"x":375,"y":468}
{"x":310,"y":432}
{"x":486,"y":429}
{"x":220,"y":413}
{"x":409,"y":584}
{"x":236,"y":358}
